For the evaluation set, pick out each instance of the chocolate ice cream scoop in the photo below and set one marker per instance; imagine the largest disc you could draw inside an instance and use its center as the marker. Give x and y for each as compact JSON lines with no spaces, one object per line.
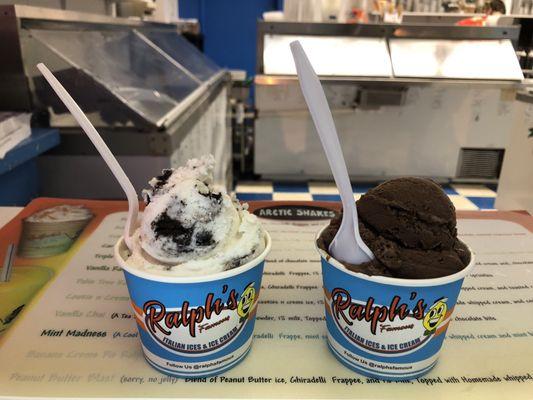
{"x":413,"y":212}
{"x":410,"y":226}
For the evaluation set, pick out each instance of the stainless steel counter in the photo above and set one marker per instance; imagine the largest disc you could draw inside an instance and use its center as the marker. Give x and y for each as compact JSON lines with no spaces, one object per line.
{"x":442,"y":108}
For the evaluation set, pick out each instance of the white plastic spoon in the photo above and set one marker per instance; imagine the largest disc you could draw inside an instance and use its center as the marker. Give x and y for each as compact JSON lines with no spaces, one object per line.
{"x":109,"y":158}
{"x":347,"y":244}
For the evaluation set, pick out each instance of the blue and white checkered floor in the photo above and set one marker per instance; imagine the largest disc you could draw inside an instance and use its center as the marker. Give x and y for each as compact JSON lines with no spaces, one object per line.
{"x":463,"y":196}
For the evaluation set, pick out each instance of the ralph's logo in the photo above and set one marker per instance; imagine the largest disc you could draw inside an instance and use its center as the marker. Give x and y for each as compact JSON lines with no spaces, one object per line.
{"x":203,"y":328}
{"x":397,"y":327}
{"x":435,"y":316}
{"x":246,"y":302}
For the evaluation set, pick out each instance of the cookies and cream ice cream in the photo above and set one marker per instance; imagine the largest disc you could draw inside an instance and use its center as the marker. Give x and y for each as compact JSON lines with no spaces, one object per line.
{"x":410,"y":226}
{"x":190,"y":228}
{"x":193,"y":320}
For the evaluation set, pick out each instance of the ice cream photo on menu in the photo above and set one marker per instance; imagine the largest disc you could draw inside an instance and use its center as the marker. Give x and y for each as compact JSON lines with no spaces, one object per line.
{"x":53,"y":230}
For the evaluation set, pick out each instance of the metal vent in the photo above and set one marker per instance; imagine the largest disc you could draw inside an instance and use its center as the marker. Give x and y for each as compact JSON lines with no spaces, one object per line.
{"x":480,"y":163}
{"x":378,"y":96}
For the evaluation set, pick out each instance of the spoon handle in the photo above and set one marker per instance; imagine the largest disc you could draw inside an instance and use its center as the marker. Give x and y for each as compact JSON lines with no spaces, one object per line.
{"x":102,"y":148}
{"x":323,"y":120}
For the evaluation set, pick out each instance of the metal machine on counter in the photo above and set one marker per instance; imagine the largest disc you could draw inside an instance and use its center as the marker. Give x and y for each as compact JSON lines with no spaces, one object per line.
{"x":154,"y":97}
{"x":515,"y":187}
{"x":413,"y":99}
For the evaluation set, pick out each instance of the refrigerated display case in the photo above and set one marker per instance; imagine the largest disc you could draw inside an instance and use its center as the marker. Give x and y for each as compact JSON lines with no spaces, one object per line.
{"x":155,"y":98}
{"x":432,"y":100}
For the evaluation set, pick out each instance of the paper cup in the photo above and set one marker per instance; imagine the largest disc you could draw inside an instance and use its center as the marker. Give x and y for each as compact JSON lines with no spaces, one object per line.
{"x":195,"y":326}
{"x":387,"y":328}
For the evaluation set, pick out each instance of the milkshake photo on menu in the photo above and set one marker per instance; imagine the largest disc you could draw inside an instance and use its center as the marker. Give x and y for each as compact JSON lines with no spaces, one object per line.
{"x":52,"y":231}
{"x":259,"y":199}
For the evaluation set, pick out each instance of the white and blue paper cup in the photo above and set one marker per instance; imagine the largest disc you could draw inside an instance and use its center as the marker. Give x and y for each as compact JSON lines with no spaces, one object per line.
{"x":192,"y":327}
{"x":387,"y":328}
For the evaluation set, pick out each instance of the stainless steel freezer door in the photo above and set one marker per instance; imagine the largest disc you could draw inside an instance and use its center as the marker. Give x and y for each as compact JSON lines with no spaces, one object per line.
{"x":423,"y":137}
{"x":455,"y":59}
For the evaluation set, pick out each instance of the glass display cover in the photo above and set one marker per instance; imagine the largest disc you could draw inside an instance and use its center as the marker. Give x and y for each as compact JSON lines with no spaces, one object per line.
{"x":182,"y":51}
{"x":127,"y":66}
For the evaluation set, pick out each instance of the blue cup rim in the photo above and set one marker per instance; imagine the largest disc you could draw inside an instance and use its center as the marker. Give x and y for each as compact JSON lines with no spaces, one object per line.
{"x":120,"y":248}
{"x":397,"y":281}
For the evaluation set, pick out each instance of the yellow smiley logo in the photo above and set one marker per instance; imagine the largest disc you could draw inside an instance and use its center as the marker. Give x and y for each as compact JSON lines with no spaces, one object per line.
{"x":246,"y":301}
{"x":435,"y":315}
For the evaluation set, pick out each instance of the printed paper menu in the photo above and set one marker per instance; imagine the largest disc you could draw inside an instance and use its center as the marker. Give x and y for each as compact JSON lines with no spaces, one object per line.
{"x":78,"y":337}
